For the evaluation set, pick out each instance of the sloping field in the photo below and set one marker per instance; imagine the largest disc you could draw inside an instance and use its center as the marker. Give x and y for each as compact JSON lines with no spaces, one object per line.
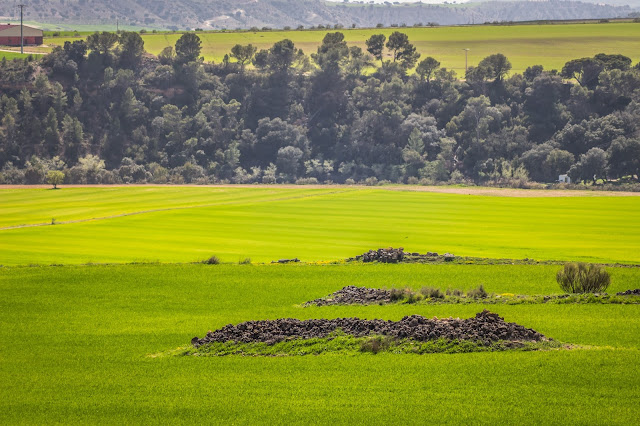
{"x":187,"y":224}
{"x":76,"y":345}
{"x":524,"y":45}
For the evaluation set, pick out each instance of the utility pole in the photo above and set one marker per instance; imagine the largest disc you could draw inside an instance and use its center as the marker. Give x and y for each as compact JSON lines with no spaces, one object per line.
{"x":21,"y":6}
{"x":466,"y":60}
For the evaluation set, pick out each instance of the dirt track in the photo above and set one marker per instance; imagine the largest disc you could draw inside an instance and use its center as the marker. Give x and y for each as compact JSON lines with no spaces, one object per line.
{"x":483,"y":191}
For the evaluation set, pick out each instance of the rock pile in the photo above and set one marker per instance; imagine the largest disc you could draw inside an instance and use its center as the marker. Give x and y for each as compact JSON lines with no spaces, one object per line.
{"x":352,"y":295}
{"x":635,"y":292}
{"x":294,"y":260}
{"x":391,"y":255}
{"x":388,"y":255}
{"x":484,"y":328}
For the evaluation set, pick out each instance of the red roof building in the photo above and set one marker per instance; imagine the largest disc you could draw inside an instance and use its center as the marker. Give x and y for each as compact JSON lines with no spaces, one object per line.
{"x":10,"y":35}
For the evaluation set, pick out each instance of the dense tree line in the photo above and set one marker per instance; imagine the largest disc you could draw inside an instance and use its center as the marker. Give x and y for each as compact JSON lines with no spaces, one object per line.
{"x":104,"y":111}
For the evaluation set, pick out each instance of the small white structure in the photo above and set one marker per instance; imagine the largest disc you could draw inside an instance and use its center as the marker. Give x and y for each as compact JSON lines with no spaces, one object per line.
{"x":564,"y":179}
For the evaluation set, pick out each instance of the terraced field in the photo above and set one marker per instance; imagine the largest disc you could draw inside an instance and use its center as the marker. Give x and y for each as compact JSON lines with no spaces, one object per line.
{"x":93,"y":343}
{"x":524,"y":45}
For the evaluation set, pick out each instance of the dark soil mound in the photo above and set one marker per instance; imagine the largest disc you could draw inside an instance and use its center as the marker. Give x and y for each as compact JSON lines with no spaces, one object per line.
{"x":352,"y":295}
{"x":635,"y":292}
{"x":484,"y":328}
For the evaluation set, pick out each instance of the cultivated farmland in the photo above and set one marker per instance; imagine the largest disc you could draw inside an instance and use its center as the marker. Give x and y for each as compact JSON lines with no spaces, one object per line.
{"x":97,"y":343}
{"x":187,"y":224}
{"x":525,"y":45}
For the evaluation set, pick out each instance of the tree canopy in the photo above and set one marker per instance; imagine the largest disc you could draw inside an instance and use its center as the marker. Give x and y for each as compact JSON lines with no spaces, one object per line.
{"x":104,"y":111}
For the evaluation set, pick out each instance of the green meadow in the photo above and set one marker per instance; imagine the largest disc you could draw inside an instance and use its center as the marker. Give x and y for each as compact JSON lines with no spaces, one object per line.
{"x":188,"y":224}
{"x":85,"y":344}
{"x":12,"y":55}
{"x":94,"y":344}
{"x":525,"y":45}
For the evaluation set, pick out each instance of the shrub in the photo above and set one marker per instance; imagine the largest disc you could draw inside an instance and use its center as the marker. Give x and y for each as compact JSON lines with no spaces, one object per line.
{"x":397,"y":294}
{"x":403,"y":294}
{"x":411,"y":297}
{"x":245,"y":261}
{"x":432,"y":292}
{"x":307,"y":181}
{"x":582,"y":278}
{"x":371,"y":181}
{"x":455,"y":292}
{"x":477,"y":293}
{"x":376,"y":344}
{"x":213,"y":260}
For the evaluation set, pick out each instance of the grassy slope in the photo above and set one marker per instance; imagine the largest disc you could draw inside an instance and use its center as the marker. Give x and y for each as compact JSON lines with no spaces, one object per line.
{"x":312,"y":224}
{"x":75,"y":340}
{"x":524,"y":45}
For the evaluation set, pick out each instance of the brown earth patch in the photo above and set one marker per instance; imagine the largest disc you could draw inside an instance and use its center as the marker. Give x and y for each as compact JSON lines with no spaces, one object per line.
{"x":471,"y":190}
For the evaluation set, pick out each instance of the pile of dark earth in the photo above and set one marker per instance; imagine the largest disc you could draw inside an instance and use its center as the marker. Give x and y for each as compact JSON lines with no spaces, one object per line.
{"x":485,"y":328}
{"x":294,"y":260}
{"x":352,"y":295}
{"x":635,"y":292}
{"x":391,"y":255}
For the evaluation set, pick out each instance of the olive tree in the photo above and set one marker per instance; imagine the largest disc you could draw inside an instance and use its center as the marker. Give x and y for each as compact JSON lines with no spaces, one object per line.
{"x":55,"y":178}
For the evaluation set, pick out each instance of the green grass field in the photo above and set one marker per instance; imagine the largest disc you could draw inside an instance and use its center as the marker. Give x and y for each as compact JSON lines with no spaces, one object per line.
{"x":524,"y":45}
{"x":187,"y":224}
{"x":12,"y":55}
{"x":76,"y":343}
{"x":90,"y":344}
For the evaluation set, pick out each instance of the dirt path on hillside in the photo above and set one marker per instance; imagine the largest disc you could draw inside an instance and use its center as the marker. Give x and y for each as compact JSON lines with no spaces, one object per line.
{"x":471,"y":190}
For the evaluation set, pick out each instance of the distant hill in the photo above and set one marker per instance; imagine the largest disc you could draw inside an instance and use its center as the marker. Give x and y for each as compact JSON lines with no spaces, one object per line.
{"x":216,"y":14}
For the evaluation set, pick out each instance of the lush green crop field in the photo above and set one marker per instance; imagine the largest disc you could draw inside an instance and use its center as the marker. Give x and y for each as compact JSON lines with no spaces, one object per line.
{"x":75,"y":343}
{"x":12,"y":55}
{"x":525,"y":45}
{"x":186,"y":224}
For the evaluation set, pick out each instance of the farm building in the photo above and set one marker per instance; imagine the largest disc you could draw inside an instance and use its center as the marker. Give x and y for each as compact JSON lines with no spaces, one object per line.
{"x":10,"y":35}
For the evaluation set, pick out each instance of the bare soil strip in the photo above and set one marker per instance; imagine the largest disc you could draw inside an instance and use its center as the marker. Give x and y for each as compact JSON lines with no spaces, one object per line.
{"x":471,"y":190}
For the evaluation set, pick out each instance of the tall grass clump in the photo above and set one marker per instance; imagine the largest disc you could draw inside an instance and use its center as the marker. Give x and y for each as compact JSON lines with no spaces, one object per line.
{"x":376,"y":344}
{"x":213,"y":260}
{"x":583,"y":278}
{"x":478,"y":293}
{"x":432,"y":292}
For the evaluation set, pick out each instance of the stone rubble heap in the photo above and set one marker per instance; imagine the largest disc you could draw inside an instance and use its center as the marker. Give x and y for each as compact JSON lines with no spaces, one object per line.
{"x":391,"y":255}
{"x":635,"y":292}
{"x":352,"y":295}
{"x":294,"y":260}
{"x":484,"y":328}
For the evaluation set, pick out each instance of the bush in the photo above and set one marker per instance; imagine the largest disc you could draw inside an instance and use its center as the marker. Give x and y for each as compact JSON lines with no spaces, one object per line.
{"x":455,"y":292}
{"x":582,"y":278}
{"x":402,"y":294}
{"x":307,"y":181}
{"x":245,"y":261}
{"x":432,"y":292}
{"x":213,"y":260}
{"x":376,"y":344}
{"x":371,"y":181}
{"x":477,"y":293}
